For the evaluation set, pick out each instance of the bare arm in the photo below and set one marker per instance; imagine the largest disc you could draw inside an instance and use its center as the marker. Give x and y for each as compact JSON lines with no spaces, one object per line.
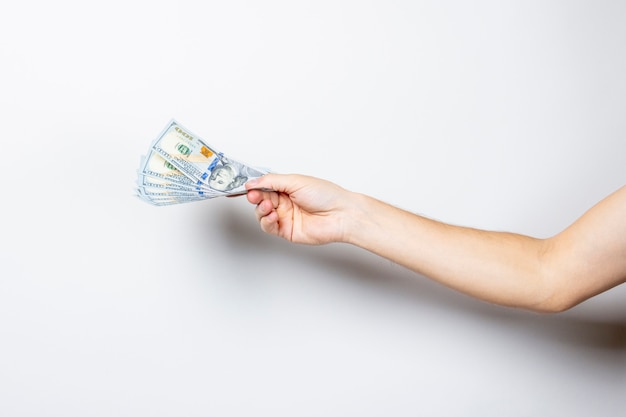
{"x":504,"y":268}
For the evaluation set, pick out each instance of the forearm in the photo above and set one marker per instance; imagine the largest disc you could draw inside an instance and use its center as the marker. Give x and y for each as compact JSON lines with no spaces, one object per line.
{"x":551,"y":274}
{"x":502,"y":268}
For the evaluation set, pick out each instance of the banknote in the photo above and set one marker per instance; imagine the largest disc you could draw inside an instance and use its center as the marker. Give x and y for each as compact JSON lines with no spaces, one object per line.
{"x":191,"y":155}
{"x":154,"y":169}
{"x":165,"y":201}
{"x":181,"y":167}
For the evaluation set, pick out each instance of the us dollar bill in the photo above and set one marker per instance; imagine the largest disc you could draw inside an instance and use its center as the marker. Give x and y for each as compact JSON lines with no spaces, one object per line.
{"x":181,"y":167}
{"x":191,"y":155}
{"x":154,"y":170}
{"x":165,"y":200}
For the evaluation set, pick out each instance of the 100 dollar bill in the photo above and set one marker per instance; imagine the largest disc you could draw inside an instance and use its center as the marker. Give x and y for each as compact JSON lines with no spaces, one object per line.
{"x":154,"y":169}
{"x":204,"y":165}
{"x":180,"y":167}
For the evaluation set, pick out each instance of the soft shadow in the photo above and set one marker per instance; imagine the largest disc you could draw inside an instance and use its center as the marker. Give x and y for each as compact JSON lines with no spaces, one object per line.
{"x":238,"y":229}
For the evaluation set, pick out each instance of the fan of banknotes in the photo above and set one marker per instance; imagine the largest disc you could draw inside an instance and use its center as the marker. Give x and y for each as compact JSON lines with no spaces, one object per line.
{"x":180,"y":167}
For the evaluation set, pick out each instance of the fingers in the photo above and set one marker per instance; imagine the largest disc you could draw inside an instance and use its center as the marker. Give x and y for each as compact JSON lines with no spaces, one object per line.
{"x":261,"y":189}
{"x":255,"y":196}
{"x":264,"y":208}
{"x":269,"y":223}
{"x":267,"y":215}
{"x":266,"y":203}
{"x":270,"y":194}
{"x":258,"y":196}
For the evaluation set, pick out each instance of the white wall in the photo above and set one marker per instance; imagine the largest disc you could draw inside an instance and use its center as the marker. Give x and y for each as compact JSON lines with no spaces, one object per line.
{"x":500,"y":115}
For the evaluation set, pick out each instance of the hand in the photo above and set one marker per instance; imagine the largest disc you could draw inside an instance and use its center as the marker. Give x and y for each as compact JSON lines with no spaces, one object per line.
{"x":299,"y":208}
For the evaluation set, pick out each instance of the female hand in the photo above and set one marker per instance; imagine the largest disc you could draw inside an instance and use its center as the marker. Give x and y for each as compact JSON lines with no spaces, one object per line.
{"x":300,"y":208}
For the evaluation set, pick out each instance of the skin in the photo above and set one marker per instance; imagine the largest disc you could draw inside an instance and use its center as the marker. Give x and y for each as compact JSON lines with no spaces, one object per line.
{"x":544,"y":275}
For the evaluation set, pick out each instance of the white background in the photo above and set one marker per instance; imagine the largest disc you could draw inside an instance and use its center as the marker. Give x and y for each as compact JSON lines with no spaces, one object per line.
{"x":504,"y":115}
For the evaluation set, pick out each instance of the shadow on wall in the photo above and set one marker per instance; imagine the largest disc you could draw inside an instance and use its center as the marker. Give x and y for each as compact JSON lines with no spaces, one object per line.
{"x":237,"y":228}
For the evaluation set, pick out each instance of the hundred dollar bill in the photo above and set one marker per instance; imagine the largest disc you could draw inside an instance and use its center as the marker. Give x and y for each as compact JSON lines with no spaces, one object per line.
{"x":157,"y":193}
{"x":145,"y":181}
{"x":160,"y":194}
{"x":156,"y":171}
{"x":164,"y":200}
{"x":205,"y":166}
{"x":157,"y":190}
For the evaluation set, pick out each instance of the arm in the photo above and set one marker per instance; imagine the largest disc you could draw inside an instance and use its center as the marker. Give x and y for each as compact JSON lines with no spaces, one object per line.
{"x":552,"y":274}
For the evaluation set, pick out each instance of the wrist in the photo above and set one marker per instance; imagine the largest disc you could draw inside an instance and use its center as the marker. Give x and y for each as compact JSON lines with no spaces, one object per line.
{"x":358,"y":219}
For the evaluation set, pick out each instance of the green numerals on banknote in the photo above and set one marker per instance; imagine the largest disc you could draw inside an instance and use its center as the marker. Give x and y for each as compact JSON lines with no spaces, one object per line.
{"x":181,"y":167}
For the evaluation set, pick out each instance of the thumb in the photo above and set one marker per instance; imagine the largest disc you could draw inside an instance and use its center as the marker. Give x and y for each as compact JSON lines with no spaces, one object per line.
{"x":273,"y":182}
